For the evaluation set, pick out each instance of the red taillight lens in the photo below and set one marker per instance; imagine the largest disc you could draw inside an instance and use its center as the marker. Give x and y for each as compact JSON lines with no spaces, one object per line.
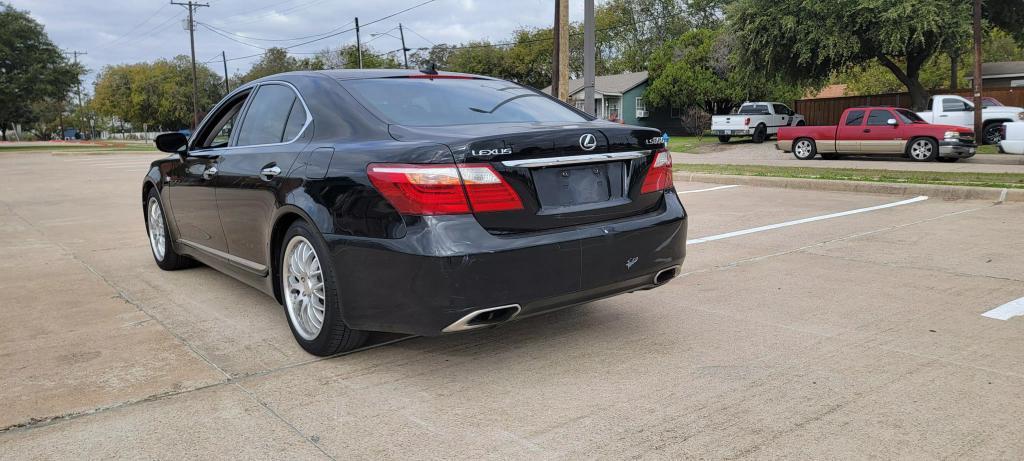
{"x":746,"y":121}
{"x":659,"y":174}
{"x":443,"y":189}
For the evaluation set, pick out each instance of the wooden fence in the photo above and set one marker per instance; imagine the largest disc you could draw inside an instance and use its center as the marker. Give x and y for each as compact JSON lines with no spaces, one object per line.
{"x":826,"y":111}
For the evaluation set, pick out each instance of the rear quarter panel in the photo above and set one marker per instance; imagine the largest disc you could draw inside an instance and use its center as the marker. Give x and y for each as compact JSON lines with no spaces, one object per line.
{"x":823,"y":136}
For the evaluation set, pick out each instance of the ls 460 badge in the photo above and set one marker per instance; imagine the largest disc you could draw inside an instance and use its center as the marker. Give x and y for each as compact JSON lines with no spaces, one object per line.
{"x":487,"y":152}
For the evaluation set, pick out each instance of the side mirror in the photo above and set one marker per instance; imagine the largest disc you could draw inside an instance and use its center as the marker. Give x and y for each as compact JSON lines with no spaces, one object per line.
{"x":173,"y":143}
{"x":891,"y":122}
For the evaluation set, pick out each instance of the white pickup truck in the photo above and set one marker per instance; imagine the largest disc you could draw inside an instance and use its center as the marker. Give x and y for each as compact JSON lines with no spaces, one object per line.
{"x":1013,"y":138}
{"x":955,"y":110}
{"x":759,"y":120}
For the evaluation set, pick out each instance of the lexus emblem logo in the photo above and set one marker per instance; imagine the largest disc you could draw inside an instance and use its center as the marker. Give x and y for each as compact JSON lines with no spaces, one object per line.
{"x":588,"y":142}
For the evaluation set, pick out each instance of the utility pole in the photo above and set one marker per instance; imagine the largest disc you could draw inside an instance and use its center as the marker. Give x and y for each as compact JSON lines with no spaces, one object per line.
{"x":555,"y":32}
{"x":589,"y":56}
{"x":227,"y":86}
{"x":192,"y":41}
{"x":359,"y":45}
{"x":405,"y":56}
{"x":978,"y":133}
{"x":78,"y":88}
{"x":563,"y":50}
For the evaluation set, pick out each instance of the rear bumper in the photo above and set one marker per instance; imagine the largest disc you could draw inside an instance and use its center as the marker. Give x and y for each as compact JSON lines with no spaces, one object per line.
{"x":732,"y":132}
{"x":957,"y":149}
{"x":449,"y":266}
{"x":784,"y":145}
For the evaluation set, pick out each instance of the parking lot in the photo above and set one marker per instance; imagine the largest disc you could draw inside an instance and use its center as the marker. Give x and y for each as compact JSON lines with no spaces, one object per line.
{"x":806,"y":324}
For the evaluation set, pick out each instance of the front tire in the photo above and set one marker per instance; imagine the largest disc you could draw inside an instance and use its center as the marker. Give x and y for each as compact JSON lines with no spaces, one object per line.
{"x":804,"y":149}
{"x":991,"y":133}
{"x":923,"y":149}
{"x":309,"y":294}
{"x":724,"y":139}
{"x":160,"y":238}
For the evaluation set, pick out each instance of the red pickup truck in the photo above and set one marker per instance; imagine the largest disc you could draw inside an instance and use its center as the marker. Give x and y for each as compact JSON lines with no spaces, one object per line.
{"x":879,"y":130}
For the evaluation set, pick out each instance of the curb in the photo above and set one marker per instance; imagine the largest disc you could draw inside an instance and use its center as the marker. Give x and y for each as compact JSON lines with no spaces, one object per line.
{"x":932,"y":190}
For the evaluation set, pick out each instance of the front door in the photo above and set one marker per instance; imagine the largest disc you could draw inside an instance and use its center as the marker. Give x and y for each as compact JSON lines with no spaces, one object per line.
{"x":191,"y":190}
{"x":252,"y":173}
{"x":879,"y":136}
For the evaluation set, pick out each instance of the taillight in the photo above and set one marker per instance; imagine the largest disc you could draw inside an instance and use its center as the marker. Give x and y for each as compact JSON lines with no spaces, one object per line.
{"x":443,"y":189}
{"x":659,"y":174}
{"x":746,"y":121}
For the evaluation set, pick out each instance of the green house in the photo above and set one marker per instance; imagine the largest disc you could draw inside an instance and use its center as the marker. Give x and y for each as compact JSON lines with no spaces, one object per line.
{"x":622,"y":96}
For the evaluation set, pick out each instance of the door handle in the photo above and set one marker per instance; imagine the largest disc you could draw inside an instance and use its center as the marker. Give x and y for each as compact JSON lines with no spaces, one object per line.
{"x":867,"y":130}
{"x":210,"y":172}
{"x":944,"y":115}
{"x":269,"y":172}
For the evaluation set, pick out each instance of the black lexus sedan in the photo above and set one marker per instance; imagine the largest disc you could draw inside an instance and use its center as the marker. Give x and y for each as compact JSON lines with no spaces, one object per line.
{"x":413,"y":202}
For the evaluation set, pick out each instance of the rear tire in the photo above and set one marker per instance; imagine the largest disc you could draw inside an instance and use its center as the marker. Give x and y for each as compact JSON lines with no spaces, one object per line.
{"x":309,"y":295}
{"x":160,"y":236}
{"x":760,"y":134}
{"x":724,"y":139}
{"x":923,"y":149}
{"x":804,"y":149}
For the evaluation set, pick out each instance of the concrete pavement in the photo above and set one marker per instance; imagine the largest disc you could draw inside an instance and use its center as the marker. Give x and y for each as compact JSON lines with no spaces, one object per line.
{"x":849,"y":337}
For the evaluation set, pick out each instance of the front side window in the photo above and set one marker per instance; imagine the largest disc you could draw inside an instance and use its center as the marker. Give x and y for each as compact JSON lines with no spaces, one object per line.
{"x":955,"y":105}
{"x":781,"y":109}
{"x":217,"y":133}
{"x":456,"y":101}
{"x":879,"y":117}
{"x":854,"y":118}
{"x":267,"y":118}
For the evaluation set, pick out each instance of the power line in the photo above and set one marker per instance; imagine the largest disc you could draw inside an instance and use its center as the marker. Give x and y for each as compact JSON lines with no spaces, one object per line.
{"x":137,"y":26}
{"x":275,"y":39}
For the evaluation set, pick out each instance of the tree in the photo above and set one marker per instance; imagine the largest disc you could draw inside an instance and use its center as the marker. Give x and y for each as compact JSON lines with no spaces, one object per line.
{"x":276,"y":60}
{"x":808,"y":41}
{"x":698,"y":69}
{"x":157,"y":94}
{"x":32,"y":69}
{"x":347,"y":57}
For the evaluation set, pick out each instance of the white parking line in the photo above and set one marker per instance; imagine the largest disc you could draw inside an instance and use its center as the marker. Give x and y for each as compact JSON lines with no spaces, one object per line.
{"x":707,"y":190}
{"x":1011,"y":309}
{"x":804,"y":221}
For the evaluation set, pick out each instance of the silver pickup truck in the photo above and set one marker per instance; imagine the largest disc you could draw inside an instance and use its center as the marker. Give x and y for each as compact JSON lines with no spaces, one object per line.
{"x":759,"y":120}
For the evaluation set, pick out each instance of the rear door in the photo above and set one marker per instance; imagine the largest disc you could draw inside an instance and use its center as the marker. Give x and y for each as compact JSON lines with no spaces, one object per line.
{"x":252,"y":172}
{"x":850,"y":131}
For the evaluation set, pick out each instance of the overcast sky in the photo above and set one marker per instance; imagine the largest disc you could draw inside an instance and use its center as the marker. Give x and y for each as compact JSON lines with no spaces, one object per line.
{"x":126,"y":31}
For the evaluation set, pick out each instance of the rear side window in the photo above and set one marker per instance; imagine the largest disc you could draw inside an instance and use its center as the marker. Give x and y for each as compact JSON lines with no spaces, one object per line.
{"x":854,"y":118}
{"x":448,"y":101}
{"x":879,"y":117}
{"x":296,"y":120}
{"x":267,"y":116}
{"x":754,"y":109}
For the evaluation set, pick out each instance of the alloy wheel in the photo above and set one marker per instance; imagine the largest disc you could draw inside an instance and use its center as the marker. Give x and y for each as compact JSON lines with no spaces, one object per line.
{"x":157,"y":231}
{"x":803,"y":149}
{"x":921,"y":150}
{"x":303,"y":279}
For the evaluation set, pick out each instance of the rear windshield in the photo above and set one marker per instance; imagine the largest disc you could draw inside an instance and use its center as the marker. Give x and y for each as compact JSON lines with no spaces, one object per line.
{"x":754,"y":109}
{"x":441,"y":102}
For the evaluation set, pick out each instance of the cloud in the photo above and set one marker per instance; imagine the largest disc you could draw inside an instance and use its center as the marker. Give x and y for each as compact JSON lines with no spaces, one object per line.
{"x":125,"y":31}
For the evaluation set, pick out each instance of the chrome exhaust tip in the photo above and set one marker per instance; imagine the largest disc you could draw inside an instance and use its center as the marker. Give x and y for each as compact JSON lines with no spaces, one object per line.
{"x":484,"y":318}
{"x":664,"y":275}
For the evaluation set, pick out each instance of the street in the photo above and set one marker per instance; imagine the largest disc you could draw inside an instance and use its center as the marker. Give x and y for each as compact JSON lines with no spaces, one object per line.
{"x":795,"y":331}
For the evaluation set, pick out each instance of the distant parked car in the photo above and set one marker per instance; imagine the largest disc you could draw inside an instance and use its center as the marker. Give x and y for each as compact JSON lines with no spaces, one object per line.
{"x":955,"y":110}
{"x":1013,"y":138}
{"x":759,"y":120}
{"x":879,"y":130}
